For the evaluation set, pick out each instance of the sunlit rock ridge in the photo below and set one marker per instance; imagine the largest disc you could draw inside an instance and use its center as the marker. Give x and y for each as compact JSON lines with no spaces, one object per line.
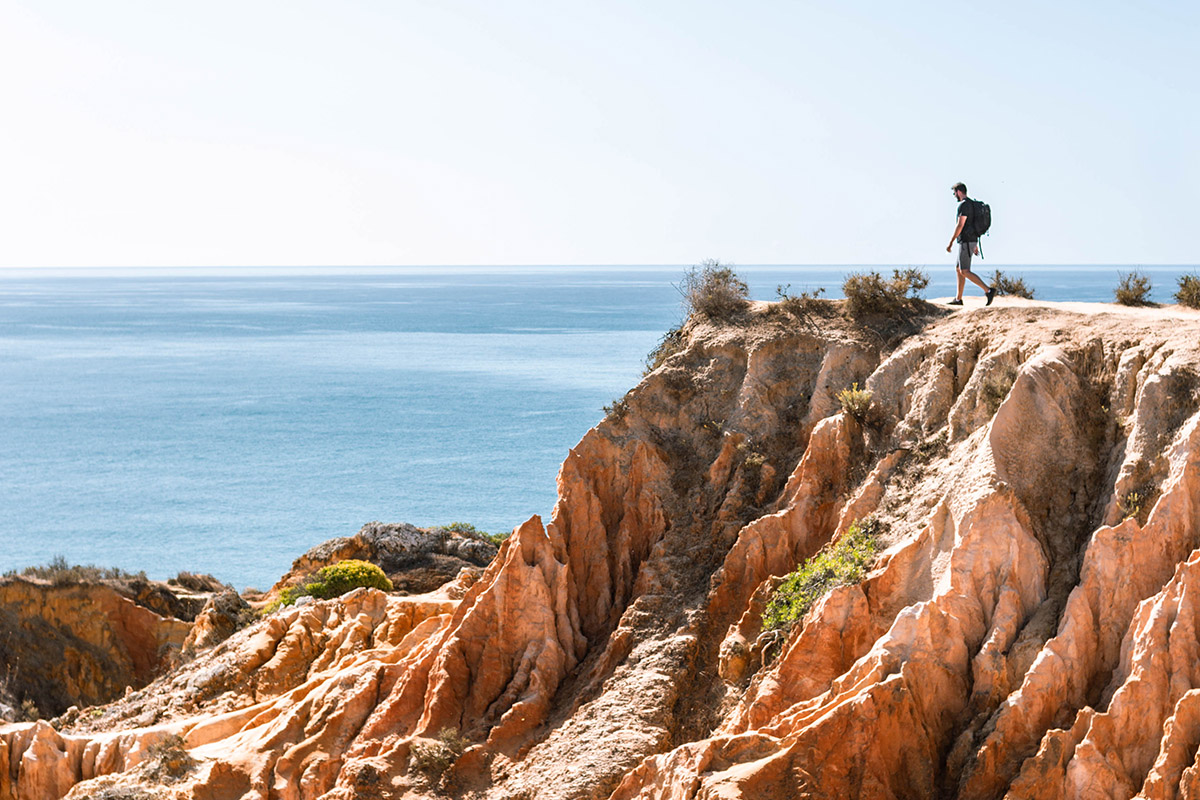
{"x":1028,"y":630}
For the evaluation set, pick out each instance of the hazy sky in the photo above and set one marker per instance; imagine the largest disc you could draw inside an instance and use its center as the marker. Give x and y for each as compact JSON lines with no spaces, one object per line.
{"x":508,"y":132}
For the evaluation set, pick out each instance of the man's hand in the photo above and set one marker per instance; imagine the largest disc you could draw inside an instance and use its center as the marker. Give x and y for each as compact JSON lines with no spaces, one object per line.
{"x":949,"y":246}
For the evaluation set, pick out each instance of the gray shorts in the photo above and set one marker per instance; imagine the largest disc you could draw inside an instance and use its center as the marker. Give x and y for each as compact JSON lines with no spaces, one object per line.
{"x":964,"y":255}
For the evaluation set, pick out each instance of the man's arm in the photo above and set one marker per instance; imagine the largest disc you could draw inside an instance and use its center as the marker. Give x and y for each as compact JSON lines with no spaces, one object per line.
{"x":957,"y":230}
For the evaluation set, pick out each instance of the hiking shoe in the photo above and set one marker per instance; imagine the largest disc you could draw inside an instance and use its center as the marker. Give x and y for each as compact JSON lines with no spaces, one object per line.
{"x":959,"y":302}
{"x":991,"y":293}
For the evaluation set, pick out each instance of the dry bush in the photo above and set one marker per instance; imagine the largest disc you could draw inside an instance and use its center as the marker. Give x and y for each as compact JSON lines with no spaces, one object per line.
{"x":1133,"y":289}
{"x":168,"y":760}
{"x":433,"y":758}
{"x":997,"y":385}
{"x":1011,"y":287}
{"x":713,"y":290}
{"x":798,"y":305}
{"x":61,"y":573}
{"x":617,"y":409}
{"x":670,"y":344}
{"x":855,"y":402}
{"x":871,"y":293}
{"x":1189,"y":291}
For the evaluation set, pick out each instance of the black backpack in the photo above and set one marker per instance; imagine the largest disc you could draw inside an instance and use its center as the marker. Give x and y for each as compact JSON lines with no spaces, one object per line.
{"x":982,"y":218}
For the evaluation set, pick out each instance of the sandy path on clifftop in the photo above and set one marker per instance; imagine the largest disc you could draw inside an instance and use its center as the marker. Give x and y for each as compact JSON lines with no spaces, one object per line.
{"x":1147,"y":313}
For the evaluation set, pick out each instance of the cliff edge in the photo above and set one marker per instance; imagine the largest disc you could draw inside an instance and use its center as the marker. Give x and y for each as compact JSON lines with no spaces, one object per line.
{"x":1028,"y":628}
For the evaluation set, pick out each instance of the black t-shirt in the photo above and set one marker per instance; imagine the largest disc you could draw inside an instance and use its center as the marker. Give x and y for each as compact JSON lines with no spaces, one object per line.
{"x":967,"y":209}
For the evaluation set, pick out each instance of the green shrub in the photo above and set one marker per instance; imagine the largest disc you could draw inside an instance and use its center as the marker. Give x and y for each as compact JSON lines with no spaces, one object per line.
{"x":855,"y":402}
{"x":840,"y":563}
{"x":334,"y":581}
{"x":713,"y":290}
{"x":870,"y":293}
{"x":1012,"y":287}
{"x":337,"y":579}
{"x":1133,"y":288}
{"x":1189,"y":291}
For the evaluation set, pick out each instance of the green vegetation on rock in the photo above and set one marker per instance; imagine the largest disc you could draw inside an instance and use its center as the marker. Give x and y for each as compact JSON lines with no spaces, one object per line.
{"x":855,"y":402}
{"x":337,"y":579}
{"x":844,"y":562}
{"x":467,"y":529}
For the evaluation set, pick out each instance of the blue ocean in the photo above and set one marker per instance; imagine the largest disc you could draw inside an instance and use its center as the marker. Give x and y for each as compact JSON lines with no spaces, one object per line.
{"x":226,"y":420}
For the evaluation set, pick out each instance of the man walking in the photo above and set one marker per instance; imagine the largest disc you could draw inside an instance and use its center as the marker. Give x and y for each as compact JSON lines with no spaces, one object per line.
{"x":964,"y":234}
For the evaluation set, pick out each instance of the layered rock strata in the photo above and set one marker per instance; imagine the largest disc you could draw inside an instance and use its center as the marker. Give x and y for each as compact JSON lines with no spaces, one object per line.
{"x":1028,"y":630}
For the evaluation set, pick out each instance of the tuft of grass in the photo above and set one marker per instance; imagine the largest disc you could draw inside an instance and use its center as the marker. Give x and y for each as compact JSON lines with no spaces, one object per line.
{"x":713,"y":290}
{"x":617,"y":409}
{"x":1189,"y":291}
{"x":60,"y":572}
{"x":841,"y":563}
{"x":996,"y":386}
{"x":467,"y":529}
{"x":670,"y":344}
{"x":29,"y":711}
{"x":1131,"y":505}
{"x":432,"y":759}
{"x":1012,"y":287}
{"x":871,"y":293}
{"x":1133,"y":288}
{"x":855,"y":402}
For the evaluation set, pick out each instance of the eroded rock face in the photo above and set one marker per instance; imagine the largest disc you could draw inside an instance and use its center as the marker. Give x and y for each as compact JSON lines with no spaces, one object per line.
{"x":79,"y":644}
{"x":1029,"y":629}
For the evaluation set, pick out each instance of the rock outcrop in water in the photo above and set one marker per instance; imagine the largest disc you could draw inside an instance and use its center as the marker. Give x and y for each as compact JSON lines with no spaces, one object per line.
{"x":1029,"y":629}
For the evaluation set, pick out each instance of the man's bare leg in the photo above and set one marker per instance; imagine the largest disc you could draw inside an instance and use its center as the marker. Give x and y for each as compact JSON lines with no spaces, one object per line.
{"x":962,"y":281}
{"x":975,"y":279}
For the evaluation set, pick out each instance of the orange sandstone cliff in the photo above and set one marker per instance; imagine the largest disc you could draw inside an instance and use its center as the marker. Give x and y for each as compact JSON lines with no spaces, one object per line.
{"x":1029,"y":629}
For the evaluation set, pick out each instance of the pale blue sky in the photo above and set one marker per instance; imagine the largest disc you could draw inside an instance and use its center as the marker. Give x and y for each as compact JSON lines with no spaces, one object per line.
{"x":378,"y":133}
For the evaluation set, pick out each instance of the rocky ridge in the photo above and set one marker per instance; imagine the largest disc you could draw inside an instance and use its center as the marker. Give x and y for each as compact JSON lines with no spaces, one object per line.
{"x":1028,"y":630}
